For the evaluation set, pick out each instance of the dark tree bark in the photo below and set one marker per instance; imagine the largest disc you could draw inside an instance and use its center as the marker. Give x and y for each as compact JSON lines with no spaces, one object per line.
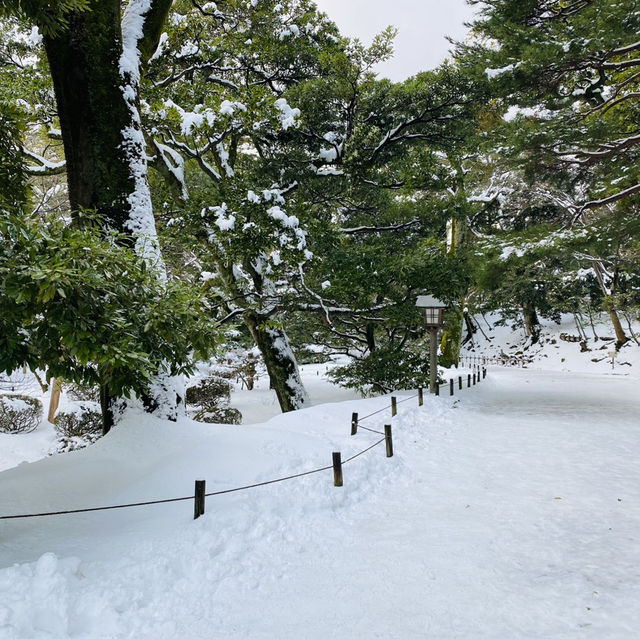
{"x":96,"y":117}
{"x":279,"y":360}
{"x":531,"y":322}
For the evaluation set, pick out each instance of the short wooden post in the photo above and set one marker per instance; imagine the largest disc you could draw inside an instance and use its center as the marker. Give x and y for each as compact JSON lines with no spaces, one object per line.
{"x":354,"y":423}
{"x":388,"y":439}
{"x":484,"y":373}
{"x":451,"y":386}
{"x":420,"y":397}
{"x":337,"y":469}
{"x":469,"y":381}
{"x":198,"y":500}
{"x":394,"y":407}
{"x":459,"y":382}
{"x":474,"y":379}
{"x":437,"y":390}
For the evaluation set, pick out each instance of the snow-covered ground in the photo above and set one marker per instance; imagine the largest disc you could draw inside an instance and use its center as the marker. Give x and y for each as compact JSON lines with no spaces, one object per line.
{"x":553,"y":351}
{"x":511,"y":510}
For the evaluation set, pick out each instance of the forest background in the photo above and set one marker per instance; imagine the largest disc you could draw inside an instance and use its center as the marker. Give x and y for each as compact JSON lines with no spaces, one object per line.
{"x":181,"y":180}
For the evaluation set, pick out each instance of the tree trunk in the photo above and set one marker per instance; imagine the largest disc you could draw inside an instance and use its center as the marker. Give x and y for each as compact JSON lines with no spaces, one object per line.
{"x":451,"y":338}
{"x":370,"y":332}
{"x":96,"y":84}
{"x":531,"y":322}
{"x":84,"y":61}
{"x":280,"y":362}
{"x":621,"y":337}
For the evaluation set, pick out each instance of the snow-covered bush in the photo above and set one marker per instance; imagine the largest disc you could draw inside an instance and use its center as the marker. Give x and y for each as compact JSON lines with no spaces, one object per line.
{"x":83,"y":392}
{"x":222,"y":415}
{"x":78,"y":425}
{"x":209,"y":402}
{"x":19,"y":413}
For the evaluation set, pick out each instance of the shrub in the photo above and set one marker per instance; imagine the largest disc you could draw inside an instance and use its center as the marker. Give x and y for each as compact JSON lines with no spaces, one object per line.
{"x":210,"y":402}
{"x":79,"y":420}
{"x":209,"y":393}
{"x":83,"y":392}
{"x":226,"y":415}
{"x":384,"y":371}
{"x":19,"y":413}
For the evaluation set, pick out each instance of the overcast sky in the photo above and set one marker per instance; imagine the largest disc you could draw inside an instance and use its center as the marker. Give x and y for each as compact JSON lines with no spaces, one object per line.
{"x":422,"y":24}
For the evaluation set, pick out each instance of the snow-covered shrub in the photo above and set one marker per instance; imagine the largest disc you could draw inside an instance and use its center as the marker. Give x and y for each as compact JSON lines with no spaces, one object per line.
{"x":210,"y":392}
{"x":209,"y":402}
{"x":83,"y":392}
{"x":19,"y":413}
{"x":223,"y":415}
{"x":78,"y":425}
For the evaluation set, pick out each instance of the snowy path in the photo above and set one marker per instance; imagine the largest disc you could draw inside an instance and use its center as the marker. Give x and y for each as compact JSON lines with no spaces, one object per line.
{"x":511,"y":511}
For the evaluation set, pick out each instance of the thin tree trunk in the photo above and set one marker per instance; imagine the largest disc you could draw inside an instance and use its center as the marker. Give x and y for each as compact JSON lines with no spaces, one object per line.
{"x":280,"y":362}
{"x":451,"y":338}
{"x":621,"y":337}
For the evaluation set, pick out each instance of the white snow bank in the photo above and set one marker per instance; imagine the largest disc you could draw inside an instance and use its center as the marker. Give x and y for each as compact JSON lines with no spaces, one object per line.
{"x":508,"y":511}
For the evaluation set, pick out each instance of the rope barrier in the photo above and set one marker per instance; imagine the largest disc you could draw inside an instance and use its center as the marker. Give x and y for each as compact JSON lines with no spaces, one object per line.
{"x":372,"y":414}
{"x":219,"y":492}
{"x":212,"y":494}
{"x":377,"y":432}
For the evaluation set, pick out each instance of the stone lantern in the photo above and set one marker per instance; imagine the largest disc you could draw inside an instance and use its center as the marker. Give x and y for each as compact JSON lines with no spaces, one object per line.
{"x":433,"y":314}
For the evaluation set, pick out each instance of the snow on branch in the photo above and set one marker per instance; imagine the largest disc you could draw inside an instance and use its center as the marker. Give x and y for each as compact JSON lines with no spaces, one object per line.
{"x":377,"y":229}
{"x":44,"y":166}
{"x":593,"y":204}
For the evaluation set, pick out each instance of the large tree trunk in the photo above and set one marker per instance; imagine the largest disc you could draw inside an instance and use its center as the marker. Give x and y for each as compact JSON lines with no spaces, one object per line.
{"x":96,"y":82}
{"x":84,"y":61}
{"x":280,"y":362}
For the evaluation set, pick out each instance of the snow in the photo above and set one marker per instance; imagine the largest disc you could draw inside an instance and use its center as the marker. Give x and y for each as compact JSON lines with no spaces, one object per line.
{"x":507,"y":511}
{"x":141,"y":222}
{"x":288,"y":115}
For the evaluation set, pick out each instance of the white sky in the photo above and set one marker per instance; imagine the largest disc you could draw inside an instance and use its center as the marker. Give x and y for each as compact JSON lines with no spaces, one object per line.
{"x":423,"y":26}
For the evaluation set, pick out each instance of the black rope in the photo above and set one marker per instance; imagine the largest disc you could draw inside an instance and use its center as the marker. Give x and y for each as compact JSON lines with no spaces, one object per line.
{"x":362,"y":452}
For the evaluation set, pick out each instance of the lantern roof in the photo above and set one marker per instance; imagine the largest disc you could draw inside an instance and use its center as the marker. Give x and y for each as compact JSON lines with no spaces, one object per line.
{"x":428,"y":301}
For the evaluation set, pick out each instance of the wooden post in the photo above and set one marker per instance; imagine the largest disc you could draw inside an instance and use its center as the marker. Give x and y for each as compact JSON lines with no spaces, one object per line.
{"x":474,"y":379}
{"x":437,"y":390}
{"x":459,"y":382}
{"x":484,"y":373}
{"x":433,"y":359}
{"x":337,"y":469}
{"x":56,"y":391}
{"x":468,"y":381}
{"x":198,"y":500}
{"x":388,"y":439}
{"x":420,"y":397}
{"x":451,"y":386}
{"x":354,"y":423}
{"x":394,"y":407}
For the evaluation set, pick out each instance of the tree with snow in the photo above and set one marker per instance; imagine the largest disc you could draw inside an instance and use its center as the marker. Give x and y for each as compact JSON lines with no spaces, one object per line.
{"x":96,"y":55}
